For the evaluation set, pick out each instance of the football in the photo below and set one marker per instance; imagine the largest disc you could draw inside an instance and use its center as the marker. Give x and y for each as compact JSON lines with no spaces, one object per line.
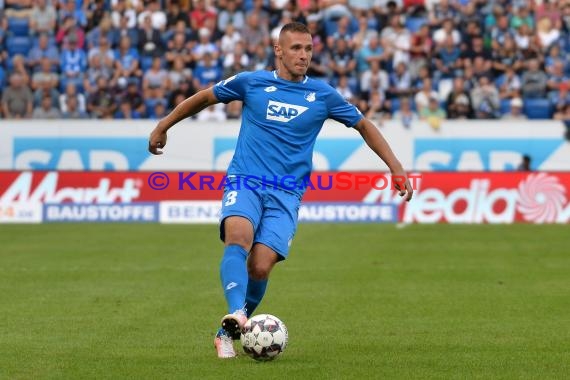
{"x":264,"y":337}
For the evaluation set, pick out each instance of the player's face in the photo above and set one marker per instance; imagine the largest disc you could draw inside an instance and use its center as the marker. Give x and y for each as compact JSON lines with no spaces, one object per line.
{"x":294,"y":51}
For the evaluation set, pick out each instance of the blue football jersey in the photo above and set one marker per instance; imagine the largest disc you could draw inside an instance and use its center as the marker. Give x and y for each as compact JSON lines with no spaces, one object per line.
{"x":280,"y":123}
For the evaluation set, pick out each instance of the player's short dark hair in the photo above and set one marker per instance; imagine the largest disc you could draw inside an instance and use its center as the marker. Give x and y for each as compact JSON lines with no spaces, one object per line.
{"x":295,"y":27}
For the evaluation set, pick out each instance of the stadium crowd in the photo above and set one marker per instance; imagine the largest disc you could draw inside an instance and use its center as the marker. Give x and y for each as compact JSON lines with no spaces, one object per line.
{"x":401,"y":59}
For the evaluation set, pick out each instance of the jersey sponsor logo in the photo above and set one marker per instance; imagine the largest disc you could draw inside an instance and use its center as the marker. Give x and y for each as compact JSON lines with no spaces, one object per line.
{"x":270,"y":89}
{"x":311,"y":97}
{"x":283,"y":112}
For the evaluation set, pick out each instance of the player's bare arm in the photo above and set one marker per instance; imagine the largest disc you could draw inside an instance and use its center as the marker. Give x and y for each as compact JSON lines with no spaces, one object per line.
{"x":380,"y":146}
{"x":189,"y":107}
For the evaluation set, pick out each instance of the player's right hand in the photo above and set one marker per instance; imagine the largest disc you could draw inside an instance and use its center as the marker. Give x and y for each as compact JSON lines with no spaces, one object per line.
{"x":157,"y":141}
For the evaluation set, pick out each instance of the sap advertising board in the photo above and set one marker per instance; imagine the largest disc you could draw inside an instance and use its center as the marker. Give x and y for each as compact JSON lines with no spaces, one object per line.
{"x":121,"y":146}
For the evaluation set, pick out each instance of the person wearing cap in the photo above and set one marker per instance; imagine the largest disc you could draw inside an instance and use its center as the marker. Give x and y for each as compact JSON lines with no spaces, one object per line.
{"x":516,"y":111}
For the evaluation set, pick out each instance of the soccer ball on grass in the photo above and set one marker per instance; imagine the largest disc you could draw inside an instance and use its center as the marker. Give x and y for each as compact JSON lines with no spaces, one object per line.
{"x":264,"y":337}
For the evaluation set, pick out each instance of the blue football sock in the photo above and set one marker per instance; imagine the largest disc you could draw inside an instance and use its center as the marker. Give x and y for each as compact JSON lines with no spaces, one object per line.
{"x":254,"y":295}
{"x":233,"y":273}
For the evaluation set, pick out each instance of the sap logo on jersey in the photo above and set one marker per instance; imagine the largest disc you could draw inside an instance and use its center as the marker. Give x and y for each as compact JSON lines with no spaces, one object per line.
{"x":283,"y":112}
{"x":78,"y":153}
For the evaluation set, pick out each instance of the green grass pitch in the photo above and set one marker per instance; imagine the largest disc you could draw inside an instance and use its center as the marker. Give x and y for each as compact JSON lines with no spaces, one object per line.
{"x":100,"y":301}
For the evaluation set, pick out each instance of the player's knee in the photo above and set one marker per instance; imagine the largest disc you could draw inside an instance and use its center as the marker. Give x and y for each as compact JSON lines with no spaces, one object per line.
{"x":259,"y":270}
{"x":241,"y":240}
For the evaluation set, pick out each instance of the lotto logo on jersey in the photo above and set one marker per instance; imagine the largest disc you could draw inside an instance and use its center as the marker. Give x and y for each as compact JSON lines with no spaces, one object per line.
{"x":283,"y":112}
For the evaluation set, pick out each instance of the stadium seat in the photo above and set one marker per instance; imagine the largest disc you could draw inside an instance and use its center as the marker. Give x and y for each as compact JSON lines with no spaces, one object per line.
{"x":537,"y":108}
{"x":146,"y":62}
{"x":19,"y":27}
{"x":395,"y":105}
{"x":505,"y":106}
{"x":2,"y":77}
{"x":413,"y":24}
{"x":18,"y":45}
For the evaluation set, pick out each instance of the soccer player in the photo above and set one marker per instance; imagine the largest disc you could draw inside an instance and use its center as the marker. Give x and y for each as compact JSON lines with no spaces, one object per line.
{"x":283,"y":112}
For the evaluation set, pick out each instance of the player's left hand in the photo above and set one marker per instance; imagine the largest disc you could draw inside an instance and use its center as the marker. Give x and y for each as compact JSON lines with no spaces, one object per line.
{"x":156,"y":141}
{"x":402,"y":184}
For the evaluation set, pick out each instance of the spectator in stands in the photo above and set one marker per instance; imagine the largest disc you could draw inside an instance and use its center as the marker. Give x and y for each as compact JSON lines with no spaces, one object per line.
{"x":344,"y":89}
{"x":45,"y":83}
{"x":98,"y":70}
{"x":17,"y":99}
{"x":103,"y":52}
{"x":46,"y":110}
{"x":150,"y":42}
{"x":205,"y":45}
{"x":500,"y":32}
{"x":521,"y":16}
{"x":19,"y":66}
{"x":320,"y":63}
{"x":135,"y":98}
{"x":364,"y":32}
{"x":179,"y":73}
{"x":400,"y":81}
{"x":342,"y":61}
{"x":506,"y":56}
{"x":509,"y":84}
{"x":72,"y":110}
{"x":127,"y":63}
{"x":68,"y":8}
{"x":158,"y":111}
{"x":207,"y":72}
{"x":370,"y":51}
{"x":101,"y":103}
{"x":230,"y":14}
{"x":422,"y":97}
{"x":105,"y":29}
{"x":397,"y":41}
{"x":516,"y":110}
{"x":43,"y":50}
{"x":157,"y":16}
{"x":229,"y":40}
{"x":43,"y":18}
{"x":95,"y":12}
{"x":546,"y":34}
{"x":175,"y":14}
{"x":421,"y":47}
{"x":342,"y":32}
{"x":71,"y":92}
{"x":556,"y":77}
{"x":433,"y":114}
{"x":156,"y":81}
{"x":485,"y":98}
{"x":123,"y":10}
{"x":458,"y":102}
{"x":255,"y":32}
{"x":405,"y":114}
{"x":19,"y":8}
{"x":446,"y":31}
{"x":200,"y":13}
{"x":477,"y":50}
{"x":69,"y":31}
{"x":236,"y":62}
{"x":260,"y":60}
{"x":441,"y":11}
{"x":126,"y":111}
{"x":446,"y":60}
{"x":534,"y":81}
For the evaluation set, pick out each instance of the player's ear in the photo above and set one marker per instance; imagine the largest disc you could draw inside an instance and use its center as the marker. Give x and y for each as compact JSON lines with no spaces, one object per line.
{"x":277,"y":50}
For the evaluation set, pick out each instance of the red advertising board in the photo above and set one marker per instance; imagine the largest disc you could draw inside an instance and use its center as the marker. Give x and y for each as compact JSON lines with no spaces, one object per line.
{"x":537,"y":197}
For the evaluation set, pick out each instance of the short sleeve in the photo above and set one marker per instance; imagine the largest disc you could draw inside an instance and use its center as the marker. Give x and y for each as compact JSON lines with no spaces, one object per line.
{"x":342,"y":111}
{"x":232,"y":88}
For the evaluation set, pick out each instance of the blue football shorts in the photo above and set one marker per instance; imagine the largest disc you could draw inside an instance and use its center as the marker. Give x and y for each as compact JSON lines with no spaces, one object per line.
{"x":272,"y":212}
